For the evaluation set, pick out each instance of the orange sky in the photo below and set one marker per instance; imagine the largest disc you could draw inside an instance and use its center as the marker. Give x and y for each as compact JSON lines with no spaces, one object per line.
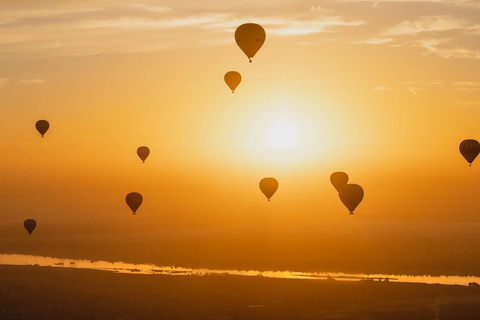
{"x":384,"y":91}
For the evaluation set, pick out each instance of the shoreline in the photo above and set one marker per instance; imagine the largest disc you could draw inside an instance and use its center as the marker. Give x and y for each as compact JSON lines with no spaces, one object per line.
{"x":132,"y":268}
{"x":29,"y":292}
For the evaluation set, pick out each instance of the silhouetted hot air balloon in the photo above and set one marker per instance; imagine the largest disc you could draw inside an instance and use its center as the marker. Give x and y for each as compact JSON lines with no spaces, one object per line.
{"x":470,"y":149}
{"x":250,"y":38}
{"x":134,"y":200}
{"x":351,"y":195}
{"x":143,"y":153}
{"x":268,"y":187}
{"x":30,"y":225}
{"x":42,"y":126}
{"x":338,"y":179}
{"x":232,"y":79}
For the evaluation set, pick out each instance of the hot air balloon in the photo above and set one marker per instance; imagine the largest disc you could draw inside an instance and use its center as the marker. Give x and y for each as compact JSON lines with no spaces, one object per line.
{"x":351,"y":195}
{"x":469,"y":149}
{"x":232,"y":79}
{"x":134,"y":200}
{"x":338,"y":179}
{"x":30,"y":225}
{"x":42,"y":126}
{"x":143,"y":153}
{"x":250,"y":38}
{"x":268,"y":187}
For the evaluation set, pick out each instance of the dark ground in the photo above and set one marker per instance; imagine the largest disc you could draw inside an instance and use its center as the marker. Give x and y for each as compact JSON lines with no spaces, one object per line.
{"x":29,"y":292}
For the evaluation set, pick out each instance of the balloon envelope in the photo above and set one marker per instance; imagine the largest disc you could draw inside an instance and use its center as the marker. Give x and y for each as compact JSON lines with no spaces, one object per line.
{"x":232,"y":79}
{"x":134,"y":200}
{"x":30,"y":225}
{"x":42,"y":126}
{"x":268,"y":187}
{"x":469,"y":149}
{"x":250,"y":38}
{"x":143,"y":152}
{"x":351,"y":195}
{"x":338,"y":179}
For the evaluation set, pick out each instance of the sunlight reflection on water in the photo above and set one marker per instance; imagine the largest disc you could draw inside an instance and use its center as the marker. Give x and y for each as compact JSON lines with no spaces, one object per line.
{"x":130,"y":268}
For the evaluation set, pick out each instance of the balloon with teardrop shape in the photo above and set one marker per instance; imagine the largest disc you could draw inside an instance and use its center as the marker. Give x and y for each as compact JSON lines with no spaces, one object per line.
{"x":42,"y":126}
{"x":134,"y":200}
{"x":469,"y":149}
{"x":268,"y":186}
{"x":250,"y":37}
{"x":30,"y":225}
{"x":232,"y":79}
{"x":143,"y":153}
{"x":351,"y":195}
{"x":338,"y":180}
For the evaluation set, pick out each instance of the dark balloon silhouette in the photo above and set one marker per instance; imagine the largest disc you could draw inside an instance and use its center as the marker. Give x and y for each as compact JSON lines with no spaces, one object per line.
{"x":469,"y":149}
{"x":351,"y":195}
{"x":232,"y":79}
{"x":143,"y":153}
{"x":42,"y":126}
{"x":134,"y":200}
{"x":338,"y":180}
{"x":268,"y":186}
{"x":250,"y":38}
{"x":30,"y":225}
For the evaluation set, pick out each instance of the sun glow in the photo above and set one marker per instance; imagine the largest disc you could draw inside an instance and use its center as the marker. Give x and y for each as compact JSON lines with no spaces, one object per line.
{"x":282,"y":134}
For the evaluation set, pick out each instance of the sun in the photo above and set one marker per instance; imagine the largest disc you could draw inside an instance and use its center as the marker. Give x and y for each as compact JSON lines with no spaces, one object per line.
{"x":282,"y":134}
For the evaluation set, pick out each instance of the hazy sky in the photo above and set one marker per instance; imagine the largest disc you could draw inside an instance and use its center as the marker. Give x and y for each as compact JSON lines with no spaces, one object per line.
{"x":383,"y":90}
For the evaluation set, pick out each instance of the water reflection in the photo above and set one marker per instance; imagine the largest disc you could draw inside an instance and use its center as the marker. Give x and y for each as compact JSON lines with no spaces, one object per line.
{"x":123,"y":267}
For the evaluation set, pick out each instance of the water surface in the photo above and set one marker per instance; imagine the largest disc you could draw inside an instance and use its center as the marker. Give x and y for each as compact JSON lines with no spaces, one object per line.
{"x":124,"y":267}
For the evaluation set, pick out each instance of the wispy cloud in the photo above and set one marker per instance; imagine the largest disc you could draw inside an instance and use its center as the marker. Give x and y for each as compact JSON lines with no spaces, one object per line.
{"x":429,"y":24}
{"x":382,"y":88}
{"x":127,"y":27}
{"x":461,"y":3}
{"x":444,"y":36}
{"x":374,"y":41}
{"x":467,"y":85}
{"x":32,"y":81}
{"x":3,"y":82}
{"x":437,"y":47}
{"x":299,"y":27}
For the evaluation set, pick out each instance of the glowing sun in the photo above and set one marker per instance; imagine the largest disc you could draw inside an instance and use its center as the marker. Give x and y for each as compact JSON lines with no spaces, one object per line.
{"x":282,"y":134}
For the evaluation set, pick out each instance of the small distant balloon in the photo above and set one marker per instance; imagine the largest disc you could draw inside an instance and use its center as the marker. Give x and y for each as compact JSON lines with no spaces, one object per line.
{"x":351,"y":195}
{"x":30,"y":225}
{"x":232,"y":79}
{"x":143,"y":153}
{"x":469,"y":149}
{"x":134,"y":200}
{"x":42,"y":126}
{"x":338,"y":179}
{"x":250,"y":38}
{"x":268,"y":186}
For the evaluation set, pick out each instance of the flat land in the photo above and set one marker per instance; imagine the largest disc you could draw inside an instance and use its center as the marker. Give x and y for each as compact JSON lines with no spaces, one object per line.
{"x":32,"y":292}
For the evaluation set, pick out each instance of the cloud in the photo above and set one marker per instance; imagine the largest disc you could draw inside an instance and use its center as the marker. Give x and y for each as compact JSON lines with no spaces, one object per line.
{"x":3,"y":82}
{"x":460,"y":3}
{"x":299,"y":27}
{"x":444,"y":36}
{"x":467,"y":85}
{"x":438,"y":48}
{"x":374,"y":41}
{"x":382,"y":89}
{"x":428,"y":24}
{"x":31,"y":81}
{"x":319,"y":9}
{"x":126,"y":27}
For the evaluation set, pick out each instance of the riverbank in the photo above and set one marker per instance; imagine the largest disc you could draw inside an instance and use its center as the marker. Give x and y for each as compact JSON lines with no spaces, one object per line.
{"x":32,"y":292}
{"x":123,"y":267}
